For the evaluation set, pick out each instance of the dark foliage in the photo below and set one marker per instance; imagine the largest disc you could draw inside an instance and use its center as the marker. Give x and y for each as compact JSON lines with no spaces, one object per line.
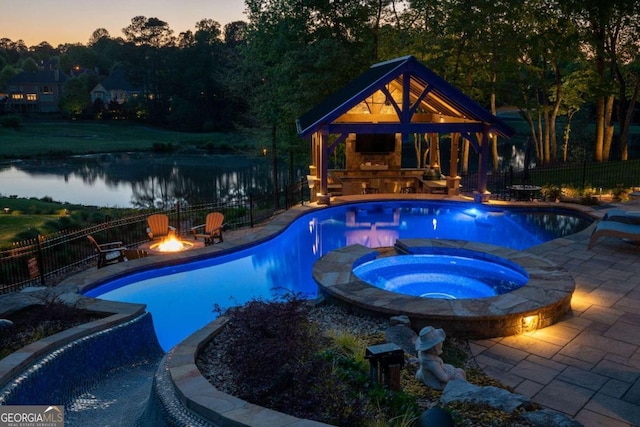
{"x":281,"y":360}
{"x":35,"y":322}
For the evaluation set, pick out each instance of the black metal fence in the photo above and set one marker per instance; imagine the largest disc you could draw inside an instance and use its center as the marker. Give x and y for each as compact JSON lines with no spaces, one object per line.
{"x":598,"y":177}
{"x":46,"y":260}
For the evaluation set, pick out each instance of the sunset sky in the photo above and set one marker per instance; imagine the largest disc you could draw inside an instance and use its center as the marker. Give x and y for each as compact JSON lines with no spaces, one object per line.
{"x":73,"y":21}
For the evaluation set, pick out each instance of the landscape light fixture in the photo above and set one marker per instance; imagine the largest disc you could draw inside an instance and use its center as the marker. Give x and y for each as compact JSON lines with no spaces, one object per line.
{"x":530,"y":323}
{"x":311,"y":181}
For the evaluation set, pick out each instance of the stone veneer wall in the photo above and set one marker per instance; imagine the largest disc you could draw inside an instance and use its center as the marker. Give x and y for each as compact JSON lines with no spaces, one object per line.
{"x":354,"y":160}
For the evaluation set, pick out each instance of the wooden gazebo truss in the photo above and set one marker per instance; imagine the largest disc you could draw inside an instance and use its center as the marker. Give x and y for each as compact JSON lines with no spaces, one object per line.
{"x":400,"y":96}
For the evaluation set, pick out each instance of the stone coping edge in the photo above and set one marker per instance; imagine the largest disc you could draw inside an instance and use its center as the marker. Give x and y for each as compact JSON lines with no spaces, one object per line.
{"x":198,"y":395}
{"x":546,"y":297}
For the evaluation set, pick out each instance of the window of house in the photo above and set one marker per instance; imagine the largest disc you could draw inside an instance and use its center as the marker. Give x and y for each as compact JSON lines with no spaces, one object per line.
{"x":17,"y":96}
{"x":46,"y":89}
{"x":32,"y":97}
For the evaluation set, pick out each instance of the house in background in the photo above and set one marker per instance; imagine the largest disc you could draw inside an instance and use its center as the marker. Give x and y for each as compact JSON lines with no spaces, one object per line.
{"x":36,"y":91}
{"x":115,"y":88}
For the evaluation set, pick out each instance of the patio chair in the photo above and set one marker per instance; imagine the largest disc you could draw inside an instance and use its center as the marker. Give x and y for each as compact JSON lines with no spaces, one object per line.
{"x":211,"y":230}
{"x":615,"y":229}
{"x":108,"y":253}
{"x":158,"y":226}
{"x":620,"y":215}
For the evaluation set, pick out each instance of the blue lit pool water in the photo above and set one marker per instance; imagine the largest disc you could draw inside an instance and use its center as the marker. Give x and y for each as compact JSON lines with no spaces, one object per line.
{"x":457,"y":274}
{"x":181,"y":298}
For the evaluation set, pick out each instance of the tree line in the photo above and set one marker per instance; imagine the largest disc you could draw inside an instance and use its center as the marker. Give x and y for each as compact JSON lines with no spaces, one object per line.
{"x":570,"y":68}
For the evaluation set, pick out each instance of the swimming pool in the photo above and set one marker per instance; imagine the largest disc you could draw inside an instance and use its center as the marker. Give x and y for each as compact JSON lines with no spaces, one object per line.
{"x":181,"y":298}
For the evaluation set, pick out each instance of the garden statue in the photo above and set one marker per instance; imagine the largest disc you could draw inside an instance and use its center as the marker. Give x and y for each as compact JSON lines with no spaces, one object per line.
{"x":433,"y":371}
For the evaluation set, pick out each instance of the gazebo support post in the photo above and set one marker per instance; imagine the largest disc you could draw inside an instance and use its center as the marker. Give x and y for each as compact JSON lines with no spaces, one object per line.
{"x":453,"y":180}
{"x":483,"y":167}
{"x":324,"y":197}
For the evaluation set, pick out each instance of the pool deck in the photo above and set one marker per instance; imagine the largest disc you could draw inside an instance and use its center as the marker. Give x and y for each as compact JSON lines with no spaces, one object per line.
{"x":586,"y":366}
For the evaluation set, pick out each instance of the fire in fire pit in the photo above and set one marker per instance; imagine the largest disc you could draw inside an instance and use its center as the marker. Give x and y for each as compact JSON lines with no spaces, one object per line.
{"x":171,"y":244}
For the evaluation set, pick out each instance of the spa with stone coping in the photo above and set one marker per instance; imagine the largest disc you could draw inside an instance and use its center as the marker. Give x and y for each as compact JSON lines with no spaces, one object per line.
{"x":543,"y":301}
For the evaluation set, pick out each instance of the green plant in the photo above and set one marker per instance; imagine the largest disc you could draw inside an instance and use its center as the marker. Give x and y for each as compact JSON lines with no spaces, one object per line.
{"x":282,"y":360}
{"x":620,"y":193}
{"x":348,"y":344}
{"x":552,"y":192}
{"x":273,"y":348}
{"x":38,"y":321}
{"x":588,"y":198}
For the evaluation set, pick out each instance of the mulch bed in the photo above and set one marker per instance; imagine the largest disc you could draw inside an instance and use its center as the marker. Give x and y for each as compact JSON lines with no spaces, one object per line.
{"x":35,"y":322}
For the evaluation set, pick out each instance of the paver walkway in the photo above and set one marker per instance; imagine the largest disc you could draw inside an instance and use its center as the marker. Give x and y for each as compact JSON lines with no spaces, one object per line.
{"x":588,"y":365}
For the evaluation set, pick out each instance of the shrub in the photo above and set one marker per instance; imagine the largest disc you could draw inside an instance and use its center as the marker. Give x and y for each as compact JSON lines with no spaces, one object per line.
{"x":12,"y":121}
{"x":620,"y":193}
{"x":272,"y":343}
{"x":282,"y":360}
{"x":552,"y":192}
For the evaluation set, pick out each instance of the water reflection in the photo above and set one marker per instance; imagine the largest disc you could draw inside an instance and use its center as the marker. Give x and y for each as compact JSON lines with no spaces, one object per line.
{"x":139,"y":179}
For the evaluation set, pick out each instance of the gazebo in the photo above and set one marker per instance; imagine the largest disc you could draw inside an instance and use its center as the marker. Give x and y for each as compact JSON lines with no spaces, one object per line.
{"x":386,"y":106}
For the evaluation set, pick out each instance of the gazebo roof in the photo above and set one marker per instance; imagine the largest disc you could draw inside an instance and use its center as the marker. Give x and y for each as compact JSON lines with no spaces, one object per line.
{"x":399,"y":96}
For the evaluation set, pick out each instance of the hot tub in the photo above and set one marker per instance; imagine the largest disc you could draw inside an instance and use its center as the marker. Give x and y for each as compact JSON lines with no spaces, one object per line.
{"x":450,"y":274}
{"x":542,"y":298}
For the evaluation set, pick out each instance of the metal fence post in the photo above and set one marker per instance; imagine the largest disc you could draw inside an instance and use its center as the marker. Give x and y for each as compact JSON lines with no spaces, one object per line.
{"x":251,"y":209}
{"x":286,"y":198}
{"x":584,"y":173}
{"x":40,"y":259}
{"x":178,"y":218}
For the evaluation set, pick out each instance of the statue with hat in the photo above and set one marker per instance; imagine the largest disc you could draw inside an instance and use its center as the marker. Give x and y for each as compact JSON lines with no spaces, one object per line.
{"x":433,"y":371}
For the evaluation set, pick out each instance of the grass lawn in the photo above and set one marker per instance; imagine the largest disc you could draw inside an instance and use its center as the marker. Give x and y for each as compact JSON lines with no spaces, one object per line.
{"x":56,"y":137}
{"x":11,"y":224}
{"x":25,"y":214}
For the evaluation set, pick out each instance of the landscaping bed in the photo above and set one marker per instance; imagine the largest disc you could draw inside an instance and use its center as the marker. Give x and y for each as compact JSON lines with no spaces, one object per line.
{"x":309,"y":362}
{"x":38,"y":321}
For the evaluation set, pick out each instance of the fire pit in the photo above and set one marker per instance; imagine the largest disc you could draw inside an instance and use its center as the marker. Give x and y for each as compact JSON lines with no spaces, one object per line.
{"x":170,"y":245}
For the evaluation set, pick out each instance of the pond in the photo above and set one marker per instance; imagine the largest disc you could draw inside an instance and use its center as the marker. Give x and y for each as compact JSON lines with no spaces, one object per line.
{"x":141,"y":179}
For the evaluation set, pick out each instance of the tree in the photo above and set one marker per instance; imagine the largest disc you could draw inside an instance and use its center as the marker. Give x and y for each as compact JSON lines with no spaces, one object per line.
{"x":149,"y":32}
{"x":610,"y":33}
{"x":78,"y":56}
{"x":575,"y":92}
{"x":7,"y":73}
{"x":43,"y":51}
{"x":296,"y":54}
{"x":75,"y":99}
{"x":469,"y":43}
{"x":150,"y":39}
{"x":200,"y":95}
{"x":546,"y":44}
{"x":108,"y":51}
{"x":98,"y":35}
{"x":30,"y":64}
{"x":14,"y":51}
{"x":235,"y":33}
